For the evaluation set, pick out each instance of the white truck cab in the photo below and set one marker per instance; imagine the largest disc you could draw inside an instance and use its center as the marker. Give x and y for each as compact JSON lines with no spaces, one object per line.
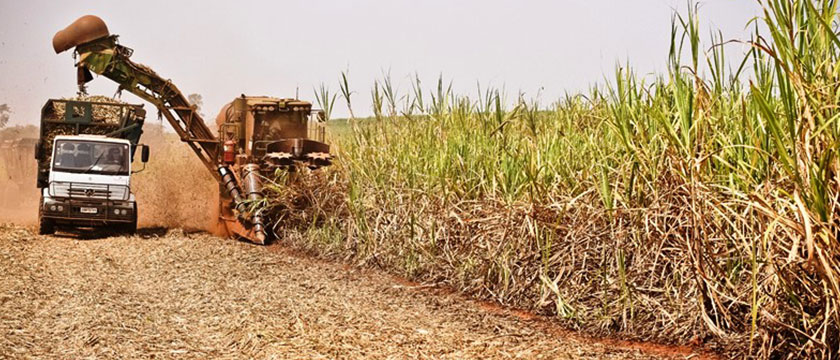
{"x":89,"y":184}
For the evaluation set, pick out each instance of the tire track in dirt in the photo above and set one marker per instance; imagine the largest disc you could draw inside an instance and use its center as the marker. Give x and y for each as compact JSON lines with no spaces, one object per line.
{"x":174,"y":294}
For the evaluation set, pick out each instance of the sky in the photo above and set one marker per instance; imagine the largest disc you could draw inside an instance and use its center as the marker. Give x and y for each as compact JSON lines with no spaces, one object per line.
{"x":221,"y":49}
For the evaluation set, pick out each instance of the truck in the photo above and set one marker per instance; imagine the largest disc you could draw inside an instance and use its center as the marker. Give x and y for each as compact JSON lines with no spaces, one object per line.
{"x":85,"y":151}
{"x":257,"y":136}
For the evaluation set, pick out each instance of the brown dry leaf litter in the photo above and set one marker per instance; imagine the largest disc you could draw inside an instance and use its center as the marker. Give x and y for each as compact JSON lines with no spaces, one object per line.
{"x":196,"y":296}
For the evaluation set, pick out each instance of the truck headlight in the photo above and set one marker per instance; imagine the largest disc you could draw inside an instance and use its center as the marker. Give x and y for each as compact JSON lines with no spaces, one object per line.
{"x":116,"y":211}
{"x":54,"y":207}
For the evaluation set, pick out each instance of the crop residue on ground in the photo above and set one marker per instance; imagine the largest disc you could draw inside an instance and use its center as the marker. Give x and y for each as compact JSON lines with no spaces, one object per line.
{"x":174,"y":294}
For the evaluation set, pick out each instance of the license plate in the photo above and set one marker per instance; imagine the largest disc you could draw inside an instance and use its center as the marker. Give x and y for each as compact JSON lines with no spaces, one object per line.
{"x":88,"y":210}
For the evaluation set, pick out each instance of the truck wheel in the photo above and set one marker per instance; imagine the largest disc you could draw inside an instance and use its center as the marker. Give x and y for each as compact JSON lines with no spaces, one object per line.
{"x":45,"y":226}
{"x":130,"y":229}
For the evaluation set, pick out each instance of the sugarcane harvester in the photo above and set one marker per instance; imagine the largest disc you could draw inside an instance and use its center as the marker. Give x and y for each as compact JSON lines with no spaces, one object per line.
{"x":258,"y":136}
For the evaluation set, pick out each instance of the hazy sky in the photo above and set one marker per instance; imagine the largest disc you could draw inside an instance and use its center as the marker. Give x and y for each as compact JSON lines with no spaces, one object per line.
{"x":221,"y":49}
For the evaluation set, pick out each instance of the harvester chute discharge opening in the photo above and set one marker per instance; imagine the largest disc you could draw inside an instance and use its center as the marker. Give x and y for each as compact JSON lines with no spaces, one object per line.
{"x":85,"y":29}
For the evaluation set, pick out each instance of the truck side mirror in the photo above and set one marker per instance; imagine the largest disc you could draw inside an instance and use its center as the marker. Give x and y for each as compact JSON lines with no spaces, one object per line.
{"x":144,"y":154}
{"x":39,"y":151}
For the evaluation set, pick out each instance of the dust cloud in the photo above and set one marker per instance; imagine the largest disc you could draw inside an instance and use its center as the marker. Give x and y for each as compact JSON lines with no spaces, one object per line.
{"x":18,"y":198}
{"x":175,"y":190}
{"x":18,"y":194}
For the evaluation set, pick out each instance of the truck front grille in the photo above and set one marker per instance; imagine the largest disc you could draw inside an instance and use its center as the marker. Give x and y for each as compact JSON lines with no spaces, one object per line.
{"x":89,"y":191}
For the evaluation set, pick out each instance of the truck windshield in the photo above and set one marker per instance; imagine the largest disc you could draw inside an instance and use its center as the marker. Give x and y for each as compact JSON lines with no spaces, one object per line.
{"x":91,"y":157}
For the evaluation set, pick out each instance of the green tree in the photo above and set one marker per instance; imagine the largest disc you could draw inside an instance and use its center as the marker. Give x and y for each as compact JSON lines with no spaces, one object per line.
{"x":5,"y":110}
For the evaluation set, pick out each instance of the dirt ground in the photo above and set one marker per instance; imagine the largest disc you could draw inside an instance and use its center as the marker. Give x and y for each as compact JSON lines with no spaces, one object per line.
{"x":176,"y":295}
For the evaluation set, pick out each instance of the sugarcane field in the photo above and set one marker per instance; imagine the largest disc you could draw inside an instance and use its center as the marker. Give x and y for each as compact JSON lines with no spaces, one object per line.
{"x":420,"y":180}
